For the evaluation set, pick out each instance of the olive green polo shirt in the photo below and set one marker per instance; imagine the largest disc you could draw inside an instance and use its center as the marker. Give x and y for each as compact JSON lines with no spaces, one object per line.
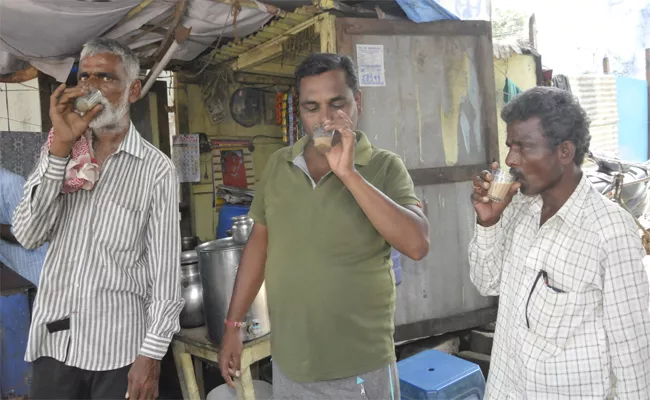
{"x":329,"y":277}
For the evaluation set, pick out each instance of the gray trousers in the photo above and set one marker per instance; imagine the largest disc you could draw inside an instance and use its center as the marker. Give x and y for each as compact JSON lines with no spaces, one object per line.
{"x":382,"y":384}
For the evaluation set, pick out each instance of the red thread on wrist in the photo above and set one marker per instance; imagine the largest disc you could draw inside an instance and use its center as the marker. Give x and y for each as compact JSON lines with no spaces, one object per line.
{"x":234,"y":324}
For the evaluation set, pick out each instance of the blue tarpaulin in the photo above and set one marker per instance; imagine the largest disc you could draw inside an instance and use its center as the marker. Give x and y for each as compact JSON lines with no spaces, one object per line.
{"x":425,"y":11}
{"x":438,"y":10}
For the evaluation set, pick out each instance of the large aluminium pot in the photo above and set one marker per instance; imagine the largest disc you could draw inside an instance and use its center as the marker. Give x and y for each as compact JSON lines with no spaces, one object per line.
{"x":191,"y":291}
{"x":218,"y":264}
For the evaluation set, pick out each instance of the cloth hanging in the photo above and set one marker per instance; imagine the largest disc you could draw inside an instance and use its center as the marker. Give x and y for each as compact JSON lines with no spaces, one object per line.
{"x":82,"y":170}
{"x":510,"y":90}
{"x":562,"y":82}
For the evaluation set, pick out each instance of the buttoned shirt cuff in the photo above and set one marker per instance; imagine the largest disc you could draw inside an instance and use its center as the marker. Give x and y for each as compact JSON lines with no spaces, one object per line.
{"x":154,"y":346}
{"x":56,"y":167}
{"x":487,"y":237}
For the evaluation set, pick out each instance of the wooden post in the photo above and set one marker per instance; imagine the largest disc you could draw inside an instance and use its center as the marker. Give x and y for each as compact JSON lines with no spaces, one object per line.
{"x":647,"y":78}
{"x":327,"y":31}
{"x":532,"y":32}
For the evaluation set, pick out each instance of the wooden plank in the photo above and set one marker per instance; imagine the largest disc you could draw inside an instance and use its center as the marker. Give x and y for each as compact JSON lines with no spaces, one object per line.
{"x":273,"y":69}
{"x":258,"y":79}
{"x":264,"y":36}
{"x":485,"y":71}
{"x":432,"y":86}
{"x":185,"y":370}
{"x":363,"y":26}
{"x":437,"y":326}
{"x":45,"y":83}
{"x":240,"y":47}
{"x":284,"y":25}
{"x":298,"y":18}
{"x":160,"y":88}
{"x":198,"y":372}
{"x":437,"y":175}
{"x":274,"y":30}
{"x":231,"y":52}
{"x":272,"y":48}
{"x":251,"y":42}
{"x":327,"y":30}
{"x":181,"y":103}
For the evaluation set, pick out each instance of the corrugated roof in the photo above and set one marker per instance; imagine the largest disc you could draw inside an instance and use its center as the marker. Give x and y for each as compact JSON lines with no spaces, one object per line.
{"x":505,"y":50}
{"x":597,"y":95}
{"x":280,"y":25}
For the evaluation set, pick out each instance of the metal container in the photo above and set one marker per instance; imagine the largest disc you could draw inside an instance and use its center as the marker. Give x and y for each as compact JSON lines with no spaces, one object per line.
{"x":218,"y":264}
{"x":242,"y":226}
{"x":189,"y":243}
{"x":191,"y":291}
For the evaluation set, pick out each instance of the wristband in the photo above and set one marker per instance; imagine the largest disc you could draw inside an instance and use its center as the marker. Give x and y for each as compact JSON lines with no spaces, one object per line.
{"x":234,"y":324}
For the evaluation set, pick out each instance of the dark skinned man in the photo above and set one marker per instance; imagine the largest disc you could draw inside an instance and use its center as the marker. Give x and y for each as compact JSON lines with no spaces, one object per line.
{"x":573,"y":317}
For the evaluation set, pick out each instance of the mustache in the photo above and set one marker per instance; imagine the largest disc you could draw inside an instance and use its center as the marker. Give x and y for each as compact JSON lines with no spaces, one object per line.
{"x":516,"y":173}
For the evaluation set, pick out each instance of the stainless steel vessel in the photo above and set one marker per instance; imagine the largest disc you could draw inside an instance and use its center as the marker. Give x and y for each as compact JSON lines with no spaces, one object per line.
{"x":242,"y":226}
{"x":191,"y":291}
{"x":218,"y":264}
{"x":189,"y":243}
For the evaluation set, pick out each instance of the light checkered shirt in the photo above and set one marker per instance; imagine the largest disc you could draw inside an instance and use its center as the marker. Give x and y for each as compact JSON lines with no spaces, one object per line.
{"x":596,"y":326}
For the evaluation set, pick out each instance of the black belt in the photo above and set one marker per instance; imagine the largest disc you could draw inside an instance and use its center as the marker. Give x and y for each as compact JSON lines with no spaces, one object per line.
{"x":57,"y":326}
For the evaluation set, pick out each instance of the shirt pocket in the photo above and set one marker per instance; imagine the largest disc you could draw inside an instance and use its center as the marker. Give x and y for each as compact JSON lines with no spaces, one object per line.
{"x":121,"y":272}
{"x":118,"y":228}
{"x":555,"y":316}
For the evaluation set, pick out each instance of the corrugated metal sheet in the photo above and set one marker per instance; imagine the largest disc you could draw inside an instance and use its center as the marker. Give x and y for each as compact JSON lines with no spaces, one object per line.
{"x":505,"y":50}
{"x":597,"y":95}
{"x":277,"y":27}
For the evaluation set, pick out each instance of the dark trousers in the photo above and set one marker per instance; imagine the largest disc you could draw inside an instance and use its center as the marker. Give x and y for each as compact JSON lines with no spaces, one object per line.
{"x":52,"y":379}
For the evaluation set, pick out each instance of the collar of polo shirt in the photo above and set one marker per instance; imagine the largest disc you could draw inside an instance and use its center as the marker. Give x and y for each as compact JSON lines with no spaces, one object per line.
{"x":362,"y":150}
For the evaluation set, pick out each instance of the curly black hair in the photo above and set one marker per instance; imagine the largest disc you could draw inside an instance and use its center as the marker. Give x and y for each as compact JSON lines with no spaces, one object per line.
{"x":561,"y":116}
{"x":319,"y":63}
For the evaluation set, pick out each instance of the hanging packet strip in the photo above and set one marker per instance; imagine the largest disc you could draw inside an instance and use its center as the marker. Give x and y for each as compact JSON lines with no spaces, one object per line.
{"x":290,"y":123}
{"x":284,"y":118}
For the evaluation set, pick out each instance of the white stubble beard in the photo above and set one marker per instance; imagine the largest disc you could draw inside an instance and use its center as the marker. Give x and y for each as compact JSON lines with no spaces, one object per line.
{"x":112,"y":119}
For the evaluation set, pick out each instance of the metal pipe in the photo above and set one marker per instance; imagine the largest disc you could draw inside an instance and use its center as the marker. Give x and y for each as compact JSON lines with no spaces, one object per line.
{"x":181,"y":35}
{"x":158,"y":68}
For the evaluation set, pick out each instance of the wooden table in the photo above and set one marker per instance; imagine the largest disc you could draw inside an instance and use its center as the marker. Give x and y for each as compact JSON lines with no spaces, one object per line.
{"x":195,"y":342}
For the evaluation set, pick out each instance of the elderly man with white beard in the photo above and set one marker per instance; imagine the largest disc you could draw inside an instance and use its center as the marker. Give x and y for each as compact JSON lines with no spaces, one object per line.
{"x":109,"y":300}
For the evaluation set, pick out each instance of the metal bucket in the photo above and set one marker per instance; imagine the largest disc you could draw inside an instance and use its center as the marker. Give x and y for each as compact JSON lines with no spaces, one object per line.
{"x":218,"y":264}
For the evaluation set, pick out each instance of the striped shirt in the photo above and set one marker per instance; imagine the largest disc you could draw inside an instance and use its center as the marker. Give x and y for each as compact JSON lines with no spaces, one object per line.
{"x":26,"y":263}
{"x":573,"y":306}
{"x":113,"y":266}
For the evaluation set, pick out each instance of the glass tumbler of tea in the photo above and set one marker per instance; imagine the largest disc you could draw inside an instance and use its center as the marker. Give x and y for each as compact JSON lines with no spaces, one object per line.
{"x":500,"y":185}
{"x":86,"y":102}
{"x":322,"y":138}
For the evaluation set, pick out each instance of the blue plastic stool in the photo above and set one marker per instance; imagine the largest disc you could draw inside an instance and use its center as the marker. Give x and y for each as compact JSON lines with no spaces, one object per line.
{"x":226,"y":214}
{"x":433,"y":374}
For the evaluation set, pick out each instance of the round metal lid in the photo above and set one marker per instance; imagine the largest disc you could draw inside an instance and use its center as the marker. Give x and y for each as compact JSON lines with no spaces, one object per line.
{"x":189,"y":257}
{"x":218,"y":245}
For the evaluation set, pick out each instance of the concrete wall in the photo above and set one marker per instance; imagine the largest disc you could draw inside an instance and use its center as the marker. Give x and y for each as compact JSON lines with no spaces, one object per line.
{"x":20,"y":107}
{"x":520,"y":68}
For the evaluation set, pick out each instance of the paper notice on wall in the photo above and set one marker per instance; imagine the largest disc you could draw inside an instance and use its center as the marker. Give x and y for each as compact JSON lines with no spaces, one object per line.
{"x":370,"y":61}
{"x":187,"y":158}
